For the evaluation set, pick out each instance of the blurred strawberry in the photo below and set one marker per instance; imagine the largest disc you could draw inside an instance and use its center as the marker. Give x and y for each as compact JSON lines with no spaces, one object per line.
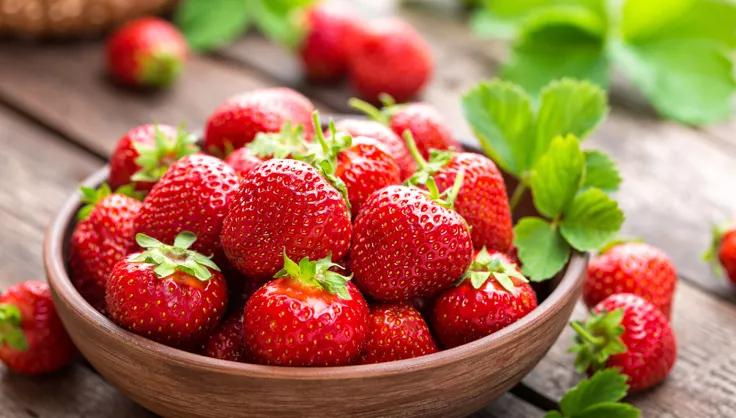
{"x":242,"y":160}
{"x":325,"y":49}
{"x":723,"y":250}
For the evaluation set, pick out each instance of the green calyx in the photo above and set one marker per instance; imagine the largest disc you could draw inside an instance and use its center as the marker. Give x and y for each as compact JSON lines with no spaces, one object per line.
{"x":316,"y":274}
{"x":154,"y":159}
{"x":160,"y":68}
{"x":711,"y":254}
{"x":171,"y":258}
{"x":486,"y":265}
{"x":91,"y":197}
{"x":10,"y":330}
{"x":283,"y":144}
{"x":597,"y":340}
{"x":383,"y":115}
{"x":425,"y":169}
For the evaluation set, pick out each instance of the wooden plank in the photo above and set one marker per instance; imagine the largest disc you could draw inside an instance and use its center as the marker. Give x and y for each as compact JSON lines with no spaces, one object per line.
{"x":38,"y":172}
{"x":509,"y":406}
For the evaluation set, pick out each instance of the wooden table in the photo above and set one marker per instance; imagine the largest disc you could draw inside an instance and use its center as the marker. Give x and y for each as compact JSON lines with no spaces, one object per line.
{"x":60,"y":118}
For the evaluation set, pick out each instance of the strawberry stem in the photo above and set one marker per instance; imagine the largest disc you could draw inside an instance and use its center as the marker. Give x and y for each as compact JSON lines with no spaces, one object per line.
{"x":370,"y":110}
{"x":413,"y":150}
{"x":518,"y":194}
{"x":584,"y":334}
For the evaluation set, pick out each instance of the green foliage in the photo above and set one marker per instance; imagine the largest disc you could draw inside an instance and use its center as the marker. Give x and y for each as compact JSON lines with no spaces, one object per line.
{"x":318,"y":274}
{"x":11,"y":333}
{"x":542,"y":250}
{"x":171,"y":258}
{"x":598,"y":396}
{"x":485,"y":265}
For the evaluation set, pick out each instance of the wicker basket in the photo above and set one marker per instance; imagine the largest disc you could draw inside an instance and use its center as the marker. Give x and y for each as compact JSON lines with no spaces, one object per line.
{"x":70,"y":18}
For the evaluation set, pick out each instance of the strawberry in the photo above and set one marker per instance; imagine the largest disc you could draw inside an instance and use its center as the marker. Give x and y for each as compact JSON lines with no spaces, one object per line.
{"x":491,"y":295}
{"x":167,"y":293}
{"x":325,"y":49}
{"x":628,"y":333}
{"x":193,"y":196}
{"x":226,"y":341}
{"x":308,"y":316}
{"x":397,"y":332}
{"x":409,"y":243}
{"x":144,"y":154}
{"x":390,"y":57}
{"x":393,"y":144}
{"x":242,"y":160}
{"x":284,"y":205}
{"x":32,"y":337}
{"x":146,"y":52}
{"x":723,"y":250}
{"x":237,"y":121}
{"x":103,"y":236}
{"x":631,"y":267}
{"x":424,"y":122}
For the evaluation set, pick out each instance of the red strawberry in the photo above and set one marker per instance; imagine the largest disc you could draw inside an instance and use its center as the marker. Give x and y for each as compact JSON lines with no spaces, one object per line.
{"x":146,"y":52}
{"x":326,"y":46}
{"x":144,"y":154}
{"x":390,"y":57}
{"x":167,"y":293}
{"x":628,"y":333}
{"x":237,"y":121}
{"x":242,"y":160}
{"x":32,"y":337}
{"x":394,"y":146}
{"x":284,"y":205}
{"x":397,"y":332}
{"x":724,"y":248}
{"x":103,"y":236}
{"x":427,"y":126}
{"x":492,"y":294}
{"x":308,"y":316}
{"x":192,"y":196}
{"x":631,"y":267}
{"x":408,"y":243}
{"x":226,"y":342}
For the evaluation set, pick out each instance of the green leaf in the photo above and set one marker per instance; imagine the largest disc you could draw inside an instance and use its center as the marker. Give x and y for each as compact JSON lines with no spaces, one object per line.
{"x":706,"y":19}
{"x":689,"y":80}
{"x":207,"y":26}
{"x":553,"y":414}
{"x":279,"y":19}
{"x":600,"y":172}
{"x":610,"y":410}
{"x":557,"y":176}
{"x":542,"y":250}
{"x":501,"y":116}
{"x":643,"y":18}
{"x":11,"y":332}
{"x":606,"y":386}
{"x":592,"y":219}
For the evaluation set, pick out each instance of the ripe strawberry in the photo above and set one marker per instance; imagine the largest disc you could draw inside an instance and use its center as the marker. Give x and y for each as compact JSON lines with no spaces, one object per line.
{"x":144,"y":154}
{"x":226,"y":342}
{"x":242,"y":160}
{"x":723,"y":250}
{"x":32,"y":337}
{"x":631,"y":267}
{"x":148,"y":52}
{"x":409,"y":243}
{"x":325,"y":49}
{"x":492,"y":295}
{"x":103,"y":236}
{"x":167,"y":293}
{"x":389,"y":57}
{"x":308,"y":316}
{"x":192,"y":196}
{"x":393,"y":145}
{"x":397,"y":332}
{"x":427,"y":126}
{"x":237,"y":121}
{"x":628,"y":333}
{"x":284,"y":205}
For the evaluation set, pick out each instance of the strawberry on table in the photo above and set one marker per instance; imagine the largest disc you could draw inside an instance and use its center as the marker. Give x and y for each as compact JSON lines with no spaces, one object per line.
{"x":104,"y":235}
{"x":146,"y":52}
{"x":628,"y":333}
{"x":226,"y":341}
{"x":397,"y":332}
{"x":167,"y":293}
{"x":32,"y":337}
{"x":309,"y":315}
{"x":723,"y":250}
{"x":491,"y":295}
{"x":326,"y":46}
{"x":631,"y":267}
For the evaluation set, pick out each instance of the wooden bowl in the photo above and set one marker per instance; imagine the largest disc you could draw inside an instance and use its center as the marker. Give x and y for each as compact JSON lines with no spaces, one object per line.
{"x":170,"y":382}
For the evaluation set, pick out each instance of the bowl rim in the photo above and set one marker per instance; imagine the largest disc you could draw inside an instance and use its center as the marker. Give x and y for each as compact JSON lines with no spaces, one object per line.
{"x":63,"y":289}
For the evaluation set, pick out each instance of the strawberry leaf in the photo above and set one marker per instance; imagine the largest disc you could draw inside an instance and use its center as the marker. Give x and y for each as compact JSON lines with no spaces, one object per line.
{"x":542,"y":250}
{"x":557,"y":176}
{"x":592,"y":220}
{"x":600,"y":171}
{"x":597,"y":396}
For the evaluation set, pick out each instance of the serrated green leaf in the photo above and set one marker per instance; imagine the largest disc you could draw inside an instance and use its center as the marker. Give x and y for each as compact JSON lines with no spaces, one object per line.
{"x":557,"y":176}
{"x":610,"y":410}
{"x":207,"y":26}
{"x":600,"y":172}
{"x":592,"y":220}
{"x":603,"y":387}
{"x":542,"y":250}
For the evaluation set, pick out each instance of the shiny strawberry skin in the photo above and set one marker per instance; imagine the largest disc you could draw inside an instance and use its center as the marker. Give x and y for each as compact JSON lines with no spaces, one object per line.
{"x":49,"y":346}
{"x":365,"y":168}
{"x":390,"y":57}
{"x":325,"y":49}
{"x":429,"y":129}
{"x":236,"y":122}
{"x":405,"y":245}
{"x":138,"y":45}
{"x":482,"y":200}
{"x":727,"y":254}
{"x":178,"y":310}
{"x":122,"y":160}
{"x":226,"y":341}
{"x":242,"y":160}
{"x":284,"y":205}
{"x":287,"y":323}
{"x":397,"y":332}
{"x":632,"y":267}
{"x":394,"y":145}
{"x":649,"y":339}
{"x":99,"y":242}
{"x":192,"y":196}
